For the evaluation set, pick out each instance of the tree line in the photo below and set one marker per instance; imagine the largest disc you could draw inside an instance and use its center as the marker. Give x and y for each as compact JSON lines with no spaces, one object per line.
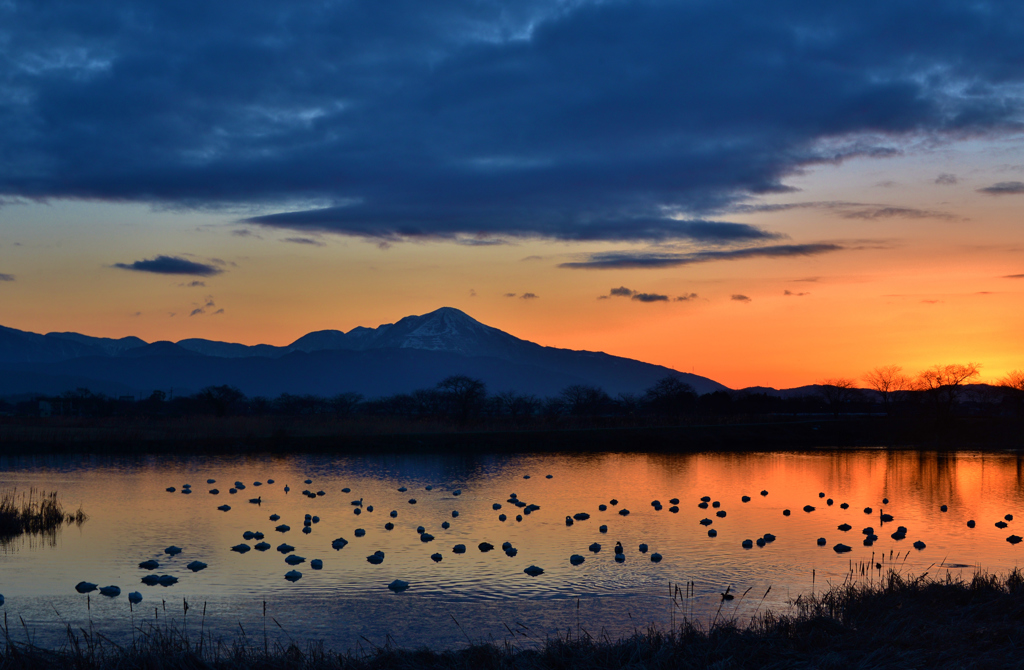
{"x":462,"y":399}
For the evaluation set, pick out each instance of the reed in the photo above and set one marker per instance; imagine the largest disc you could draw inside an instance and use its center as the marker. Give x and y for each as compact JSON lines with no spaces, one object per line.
{"x":893,"y":621}
{"x":34,"y":512}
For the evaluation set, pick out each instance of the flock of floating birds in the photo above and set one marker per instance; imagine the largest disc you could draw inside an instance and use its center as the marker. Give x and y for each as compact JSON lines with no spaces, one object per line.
{"x":521,"y":508}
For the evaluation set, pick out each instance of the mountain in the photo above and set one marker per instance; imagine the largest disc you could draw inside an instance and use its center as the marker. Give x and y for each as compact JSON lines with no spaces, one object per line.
{"x":415,"y":352}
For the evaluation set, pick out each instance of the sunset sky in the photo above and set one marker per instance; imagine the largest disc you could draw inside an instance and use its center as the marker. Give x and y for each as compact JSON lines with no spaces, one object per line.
{"x":761,"y":193}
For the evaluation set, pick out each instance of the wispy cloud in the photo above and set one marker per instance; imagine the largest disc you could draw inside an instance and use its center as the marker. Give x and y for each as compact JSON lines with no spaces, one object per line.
{"x":529,"y":296}
{"x":685,"y":297}
{"x":1004,"y":188}
{"x":1020,"y":276}
{"x":739,"y":297}
{"x":788,"y":292}
{"x":848,"y":210}
{"x":647,"y":260}
{"x":6,"y":277}
{"x":946,"y":179}
{"x":305,"y":240}
{"x":172,"y":265}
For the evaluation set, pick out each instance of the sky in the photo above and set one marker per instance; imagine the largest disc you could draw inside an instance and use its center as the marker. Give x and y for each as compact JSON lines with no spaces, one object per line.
{"x":761,"y":193}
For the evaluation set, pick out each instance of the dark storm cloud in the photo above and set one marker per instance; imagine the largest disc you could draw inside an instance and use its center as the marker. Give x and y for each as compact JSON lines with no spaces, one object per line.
{"x":171,"y":265}
{"x":631,"y":260}
{"x":579,"y":120}
{"x":6,"y":277}
{"x":1004,"y":188}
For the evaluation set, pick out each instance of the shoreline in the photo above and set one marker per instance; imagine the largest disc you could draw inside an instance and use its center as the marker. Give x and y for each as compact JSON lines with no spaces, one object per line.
{"x":232,"y":435}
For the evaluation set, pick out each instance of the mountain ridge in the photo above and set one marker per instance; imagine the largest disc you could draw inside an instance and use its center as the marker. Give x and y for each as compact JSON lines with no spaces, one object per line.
{"x":426,"y":348}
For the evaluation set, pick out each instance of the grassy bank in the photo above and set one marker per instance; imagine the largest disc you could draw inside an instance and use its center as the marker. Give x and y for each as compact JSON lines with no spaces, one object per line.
{"x":894,"y":622}
{"x":208,"y":434}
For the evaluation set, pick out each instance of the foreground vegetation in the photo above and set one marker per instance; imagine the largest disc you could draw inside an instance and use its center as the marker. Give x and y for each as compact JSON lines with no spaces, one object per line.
{"x":894,"y":621}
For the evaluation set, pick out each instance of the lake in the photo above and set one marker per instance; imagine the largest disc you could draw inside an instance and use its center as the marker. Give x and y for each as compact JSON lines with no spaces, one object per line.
{"x":486,"y":595}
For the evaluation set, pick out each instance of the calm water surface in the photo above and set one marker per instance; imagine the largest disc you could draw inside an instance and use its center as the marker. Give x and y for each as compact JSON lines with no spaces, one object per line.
{"x":482,"y":596}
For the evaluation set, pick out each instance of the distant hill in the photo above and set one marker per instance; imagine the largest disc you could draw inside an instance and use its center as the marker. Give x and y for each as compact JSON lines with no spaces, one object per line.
{"x":415,"y":352}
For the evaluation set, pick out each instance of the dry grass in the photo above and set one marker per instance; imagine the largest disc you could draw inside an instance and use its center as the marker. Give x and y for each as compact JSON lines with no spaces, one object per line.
{"x":34,"y":512}
{"x":895,"y":621}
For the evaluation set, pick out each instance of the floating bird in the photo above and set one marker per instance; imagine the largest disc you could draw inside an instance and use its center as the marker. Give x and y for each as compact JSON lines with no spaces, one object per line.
{"x":257,"y":483}
{"x":576,"y":559}
{"x":716,"y":504}
{"x":316,"y":564}
{"x":706,"y":499}
{"x":841,"y":549}
{"x":241,"y":548}
{"x":110,"y":591}
{"x":275,"y":517}
{"x":398,"y":586}
{"x":359,"y":532}
{"x":391,"y":526}
{"x":502,"y":517}
{"x":436,"y":558}
{"x":211,"y":481}
{"x":867,"y":510}
{"x":618,"y":548}
{"x":285,"y":548}
{"x":786,"y":512}
{"x":168,"y":580}
{"x":655,"y":557}
{"x":624,"y":512}
{"x":511,"y":552}
{"x":745,"y":499}
{"x":456,"y":492}
{"x":768,"y":537}
{"x":170,"y":489}
{"x":548,"y":476}
{"x":485,"y":547}
{"x":1008,"y":517}
{"x":674,"y":509}
{"x":135,"y":597}
{"x":519,"y":517}
{"x":885,"y":501}
{"x":308,"y":481}
{"x":706,"y":522}
{"x":225,"y":508}
{"x":829,"y":502}
{"x":339,"y":544}
{"x":526,"y":476}
{"x":748,"y":544}
{"x":760,"y":542}
{"x":844,"y":506}
{"x":821,"y":542}
{"x":620,"y":558}
{"x":581,"y":516}
{"x":149,"y":565}
{"x":293,"y":575}
{"x":944,"y":509}
{"x":257,"y":500}
{"x":603,"y":529}
{"x":595,"y":547}
{"x":808,"y":508}
{"x":214,"y":492}
{"x":270,"y":481}
{"x":613,"y":502}
{"x":248,"y":535}
{"x":845,"y":527}
{"x":151,"y":580}
{"x":459,"y":549}
{"x":1014,"y":539}
{"x":287,"y":488}
{"x":412,"y":501}
{"x":884,"y":518}
{"x":712,"y":533}
{"x":283,"y":528}
{"x":232,"y":491}
{"x":720,"y":514}
{"x":534,"y":571}
{"x":196,"y":566}
{"x":971,"y":524}
{"x":568,"y":521}
{"x":85,"y":587}
{"x":919,"y":545}
{"x":172,"y":550}
{"x":643,"y":548}
{"x":401,"y":489}
{"x":426,"y":537}
{"x":455,"y":513}
{"x":294,"y":559}
{"x":602,"y":507}
{"x":1001,"y":524}
{"x":496,"y":506}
